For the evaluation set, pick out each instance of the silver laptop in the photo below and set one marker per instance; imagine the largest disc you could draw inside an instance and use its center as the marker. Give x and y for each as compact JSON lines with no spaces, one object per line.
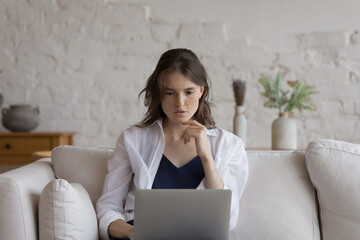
{"x":186,"y":214}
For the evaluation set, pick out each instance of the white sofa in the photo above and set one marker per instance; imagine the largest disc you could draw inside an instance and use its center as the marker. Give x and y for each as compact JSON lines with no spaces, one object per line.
{"x":305,"y":195}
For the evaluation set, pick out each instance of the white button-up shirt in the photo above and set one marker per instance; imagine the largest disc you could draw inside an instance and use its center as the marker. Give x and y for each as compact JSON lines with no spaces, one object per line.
{"x":137,"y":157}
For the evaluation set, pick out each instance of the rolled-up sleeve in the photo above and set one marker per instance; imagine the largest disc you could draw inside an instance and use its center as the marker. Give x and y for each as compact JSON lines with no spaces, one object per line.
{"x":110,"y":205}
{"x":234,"y":171}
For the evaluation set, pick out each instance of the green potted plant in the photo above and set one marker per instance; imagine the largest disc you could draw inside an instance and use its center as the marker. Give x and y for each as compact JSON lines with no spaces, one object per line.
{"x":299,"y":98}
{"x":278,"y":98}
{"x":283,"y":129}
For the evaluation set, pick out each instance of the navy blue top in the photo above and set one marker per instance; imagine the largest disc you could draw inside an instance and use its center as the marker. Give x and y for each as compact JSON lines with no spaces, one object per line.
{"x":169,"y":176}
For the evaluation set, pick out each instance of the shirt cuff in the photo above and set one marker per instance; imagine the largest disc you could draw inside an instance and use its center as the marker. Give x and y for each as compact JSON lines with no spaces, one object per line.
{"x":105,"y":222}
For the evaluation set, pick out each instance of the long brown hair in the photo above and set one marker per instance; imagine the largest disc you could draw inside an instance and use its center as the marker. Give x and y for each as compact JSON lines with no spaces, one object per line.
{"x":188,"y":64}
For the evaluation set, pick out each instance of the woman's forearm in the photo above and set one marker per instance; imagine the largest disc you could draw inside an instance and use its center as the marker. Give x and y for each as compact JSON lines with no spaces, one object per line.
{"x":120,"y":229}
{"x":213,"y":178}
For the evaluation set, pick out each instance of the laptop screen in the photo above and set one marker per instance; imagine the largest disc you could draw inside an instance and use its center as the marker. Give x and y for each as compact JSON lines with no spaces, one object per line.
{"x":173,"y":214}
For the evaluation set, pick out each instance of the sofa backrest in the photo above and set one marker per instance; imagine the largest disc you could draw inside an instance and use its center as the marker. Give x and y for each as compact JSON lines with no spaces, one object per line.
{"x":279,"y":201}
{"x":84,"y":165}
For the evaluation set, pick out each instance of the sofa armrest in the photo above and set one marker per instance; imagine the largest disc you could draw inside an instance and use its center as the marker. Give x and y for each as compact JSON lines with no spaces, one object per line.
{"x":20,"y":190}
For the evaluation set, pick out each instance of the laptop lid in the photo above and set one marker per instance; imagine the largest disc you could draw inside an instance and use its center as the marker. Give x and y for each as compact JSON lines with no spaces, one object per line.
{"x":171,"y":214}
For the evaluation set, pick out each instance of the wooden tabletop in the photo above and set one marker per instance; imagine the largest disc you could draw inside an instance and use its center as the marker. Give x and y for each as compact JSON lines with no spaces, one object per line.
{"x":35,"y":134}
{"x":41,"y":154}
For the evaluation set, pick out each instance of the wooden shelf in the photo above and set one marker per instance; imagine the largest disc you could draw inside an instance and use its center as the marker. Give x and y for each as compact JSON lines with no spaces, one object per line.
{"x":18,"y":148}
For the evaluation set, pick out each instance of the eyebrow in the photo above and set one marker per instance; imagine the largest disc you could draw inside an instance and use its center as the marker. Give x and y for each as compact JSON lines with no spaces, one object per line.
{"x":187,"y":89}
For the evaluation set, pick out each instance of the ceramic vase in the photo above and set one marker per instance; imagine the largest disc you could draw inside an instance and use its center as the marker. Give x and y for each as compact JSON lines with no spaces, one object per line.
{"x":283,"y":133}
{"x":240,"y":123}
{"x":20,"y":118}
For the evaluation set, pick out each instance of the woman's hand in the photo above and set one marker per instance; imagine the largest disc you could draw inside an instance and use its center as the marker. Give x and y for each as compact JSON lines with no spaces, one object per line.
{"x":199,"y":132}
{"x":120,"y":229}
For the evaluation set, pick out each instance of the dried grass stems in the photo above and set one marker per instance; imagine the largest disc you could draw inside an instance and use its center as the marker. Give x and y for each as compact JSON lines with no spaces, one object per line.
{"x":239,"y":88}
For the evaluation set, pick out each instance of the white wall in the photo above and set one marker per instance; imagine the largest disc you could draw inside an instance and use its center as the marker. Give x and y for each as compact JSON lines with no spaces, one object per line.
{"x":84,"y":62}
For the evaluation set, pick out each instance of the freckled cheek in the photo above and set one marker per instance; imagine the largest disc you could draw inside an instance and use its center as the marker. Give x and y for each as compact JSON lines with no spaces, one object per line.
{"x":190,"y":102}
{"x":193,"y":103}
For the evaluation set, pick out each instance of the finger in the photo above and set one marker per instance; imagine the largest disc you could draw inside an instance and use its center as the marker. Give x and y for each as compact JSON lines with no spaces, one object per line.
{"x":187,"y":137}
{"x":185,"y":131}
{"x":193,"y":132}
{"x":192,"y":123}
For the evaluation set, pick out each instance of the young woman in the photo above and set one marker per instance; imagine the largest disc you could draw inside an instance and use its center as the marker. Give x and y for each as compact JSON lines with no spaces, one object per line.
{"x":175,"y":146}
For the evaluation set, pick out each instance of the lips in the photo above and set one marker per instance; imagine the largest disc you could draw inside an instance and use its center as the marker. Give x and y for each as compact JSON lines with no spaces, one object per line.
{"x":180,"y":113}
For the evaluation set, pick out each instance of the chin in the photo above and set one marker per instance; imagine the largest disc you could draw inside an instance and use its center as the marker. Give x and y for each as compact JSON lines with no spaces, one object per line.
{"x":180,"y":120}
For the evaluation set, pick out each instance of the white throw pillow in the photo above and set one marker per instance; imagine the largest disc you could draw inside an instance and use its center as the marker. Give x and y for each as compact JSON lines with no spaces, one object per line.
{"x":334,"y":168}
{"x":84,"y":165}
{"x":66,"y":212}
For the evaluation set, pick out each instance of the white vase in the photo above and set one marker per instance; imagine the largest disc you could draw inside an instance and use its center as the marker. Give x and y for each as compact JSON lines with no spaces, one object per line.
{"x":240,"y":123}
{"x":283,"y":133}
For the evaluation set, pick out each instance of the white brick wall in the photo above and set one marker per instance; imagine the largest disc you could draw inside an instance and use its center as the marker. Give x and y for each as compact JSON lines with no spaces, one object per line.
{"x":83,"y":62}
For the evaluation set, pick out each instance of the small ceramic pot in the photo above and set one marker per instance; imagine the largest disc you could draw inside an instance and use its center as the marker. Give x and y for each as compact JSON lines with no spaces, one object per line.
{"x":20,"y":118}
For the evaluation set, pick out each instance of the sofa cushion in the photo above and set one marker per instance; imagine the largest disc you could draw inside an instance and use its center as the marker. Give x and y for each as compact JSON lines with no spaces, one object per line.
{"x":84,"y":165}
{"x":334,"y":168}
{"x":66,"y":212}
{"x":279,"y":200}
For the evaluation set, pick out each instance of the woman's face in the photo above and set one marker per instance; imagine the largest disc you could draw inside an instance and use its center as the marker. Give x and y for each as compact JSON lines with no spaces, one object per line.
{"x":181,"y":97}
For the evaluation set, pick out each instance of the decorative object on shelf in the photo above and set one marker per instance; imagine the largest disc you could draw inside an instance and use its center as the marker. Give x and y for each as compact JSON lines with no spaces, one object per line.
{"x":240,"y":122}
{"x":20,"y":118}
{"x":283,"y":133}
{"x":283,"y":129}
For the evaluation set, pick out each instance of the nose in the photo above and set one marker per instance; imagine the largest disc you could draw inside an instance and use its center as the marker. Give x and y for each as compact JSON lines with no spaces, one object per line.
{"x":180,"y":100}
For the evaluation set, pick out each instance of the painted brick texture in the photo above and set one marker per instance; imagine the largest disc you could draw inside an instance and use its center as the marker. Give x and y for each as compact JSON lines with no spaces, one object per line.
{"x":83,"y":62}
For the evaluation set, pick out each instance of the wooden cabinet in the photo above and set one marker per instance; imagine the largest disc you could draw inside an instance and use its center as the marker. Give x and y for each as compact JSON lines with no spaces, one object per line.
{"x":17,"y":148}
